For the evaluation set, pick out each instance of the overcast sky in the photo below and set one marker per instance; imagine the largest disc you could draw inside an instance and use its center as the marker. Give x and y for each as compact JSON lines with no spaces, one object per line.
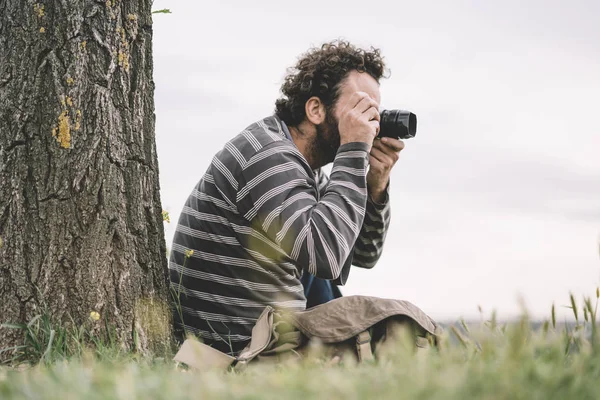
{"x":497,"y":197}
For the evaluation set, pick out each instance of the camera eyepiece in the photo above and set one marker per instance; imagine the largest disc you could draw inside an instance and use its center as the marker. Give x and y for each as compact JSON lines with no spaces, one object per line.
{"x":397,"y":124}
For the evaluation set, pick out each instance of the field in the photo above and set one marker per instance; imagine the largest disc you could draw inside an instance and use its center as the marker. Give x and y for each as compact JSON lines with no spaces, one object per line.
{"x":488,"y":361}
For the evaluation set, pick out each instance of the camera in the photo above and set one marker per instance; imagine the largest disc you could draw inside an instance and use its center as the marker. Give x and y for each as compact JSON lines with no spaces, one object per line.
{"x":397,"y":124}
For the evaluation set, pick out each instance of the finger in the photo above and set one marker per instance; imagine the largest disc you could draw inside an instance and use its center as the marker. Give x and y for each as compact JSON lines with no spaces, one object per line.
{"x":395,"y":144}
{"x":365,"y":104}
{"x":373,"y":114}
{"x":388,"y":155}
{"x":381,"y":156}
{"x":385,"y":148}
{"x":354,"y":99}
{"x":375,"y":124}
{"x":377,"y":144}
{"x":375,"y":163}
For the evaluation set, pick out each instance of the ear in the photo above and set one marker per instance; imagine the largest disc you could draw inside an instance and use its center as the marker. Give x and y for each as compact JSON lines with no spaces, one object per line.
{"x":315,"y":110}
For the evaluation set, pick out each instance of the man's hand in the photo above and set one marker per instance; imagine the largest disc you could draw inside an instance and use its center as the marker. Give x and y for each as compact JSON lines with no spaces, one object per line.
{"x":359,"y":119}
{"x":383,"y":156}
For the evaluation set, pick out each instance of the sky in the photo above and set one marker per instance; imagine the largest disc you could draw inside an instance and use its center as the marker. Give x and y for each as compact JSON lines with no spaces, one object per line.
{"x":495,"y":202}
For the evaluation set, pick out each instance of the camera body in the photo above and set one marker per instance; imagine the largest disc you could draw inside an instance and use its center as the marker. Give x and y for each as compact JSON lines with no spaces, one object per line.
{"x":397,"y":124}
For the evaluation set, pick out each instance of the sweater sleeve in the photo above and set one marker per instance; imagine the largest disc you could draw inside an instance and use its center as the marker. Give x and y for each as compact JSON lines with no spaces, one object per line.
{"x":278,"y":193}
{"x":369,"y":245}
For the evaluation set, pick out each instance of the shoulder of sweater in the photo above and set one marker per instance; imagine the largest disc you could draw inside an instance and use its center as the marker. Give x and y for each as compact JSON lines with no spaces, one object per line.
{"x":259,"y":135}
{"x":259,"y":141}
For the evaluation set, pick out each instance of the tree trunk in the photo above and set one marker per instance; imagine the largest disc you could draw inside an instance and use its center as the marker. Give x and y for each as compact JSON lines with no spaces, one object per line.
{"x":80,"y":213}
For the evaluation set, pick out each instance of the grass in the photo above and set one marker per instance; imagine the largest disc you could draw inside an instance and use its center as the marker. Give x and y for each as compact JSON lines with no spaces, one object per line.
{"x":47,"y":342}
{"x":489,"y":361}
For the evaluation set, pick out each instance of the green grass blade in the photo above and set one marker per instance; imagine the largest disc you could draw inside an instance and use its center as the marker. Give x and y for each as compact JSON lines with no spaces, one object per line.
{"x":12,"y":348}
{"x":34,"y":320}
{"x":49,"y":347}
{"x":13,"y":326}
{"x":574,"y":307}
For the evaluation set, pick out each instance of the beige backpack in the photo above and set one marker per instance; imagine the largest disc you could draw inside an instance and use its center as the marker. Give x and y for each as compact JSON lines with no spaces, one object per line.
{"x":356,"y":326}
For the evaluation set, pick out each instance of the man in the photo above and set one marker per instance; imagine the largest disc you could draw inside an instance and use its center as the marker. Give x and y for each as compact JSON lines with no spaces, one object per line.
{"x":264,"y":215}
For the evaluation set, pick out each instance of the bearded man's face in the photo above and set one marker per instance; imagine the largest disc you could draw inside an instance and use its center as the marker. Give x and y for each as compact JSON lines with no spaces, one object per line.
{"x":327,"y":141}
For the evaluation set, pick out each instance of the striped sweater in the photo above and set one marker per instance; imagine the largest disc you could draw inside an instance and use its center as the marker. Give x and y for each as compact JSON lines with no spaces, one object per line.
{"x":257,"y":220}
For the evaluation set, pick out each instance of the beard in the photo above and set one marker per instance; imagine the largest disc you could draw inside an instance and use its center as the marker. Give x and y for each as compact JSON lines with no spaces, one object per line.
{"x":326,"y":143}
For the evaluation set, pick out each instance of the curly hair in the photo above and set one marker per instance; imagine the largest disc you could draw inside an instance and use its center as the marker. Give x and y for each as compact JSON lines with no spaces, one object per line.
{"x":320,"y":72}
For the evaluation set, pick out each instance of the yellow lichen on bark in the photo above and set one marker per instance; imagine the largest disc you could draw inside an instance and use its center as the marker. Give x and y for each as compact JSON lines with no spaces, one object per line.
{"x":123,"y":61}
{"x":70,"y":81}
{"x":66,"y":123}
{"x":39,"y":10}
{"x":124,"y":43}
{"x":83,"y":45}
{"x":77,"y":120}
{"x":42,"y":30}
{"x":123,"y":55}
{"x":110,"y":5}
{"x":62,"y":133}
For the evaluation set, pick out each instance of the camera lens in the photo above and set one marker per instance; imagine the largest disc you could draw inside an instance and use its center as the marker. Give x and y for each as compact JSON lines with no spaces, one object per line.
{"x":397,"y":124}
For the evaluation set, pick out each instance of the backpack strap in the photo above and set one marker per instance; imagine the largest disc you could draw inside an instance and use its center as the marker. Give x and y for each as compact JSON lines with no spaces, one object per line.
{"x":203,"y":357}
{"x":261,"y":337}
{"x":363,"y":346}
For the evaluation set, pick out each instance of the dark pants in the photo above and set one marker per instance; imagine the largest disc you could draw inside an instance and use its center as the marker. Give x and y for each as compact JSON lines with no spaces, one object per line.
{"x":318,"y":291}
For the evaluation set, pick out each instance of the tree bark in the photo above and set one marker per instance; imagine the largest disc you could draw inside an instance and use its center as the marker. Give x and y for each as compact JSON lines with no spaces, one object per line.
{"x":80,"y":212}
